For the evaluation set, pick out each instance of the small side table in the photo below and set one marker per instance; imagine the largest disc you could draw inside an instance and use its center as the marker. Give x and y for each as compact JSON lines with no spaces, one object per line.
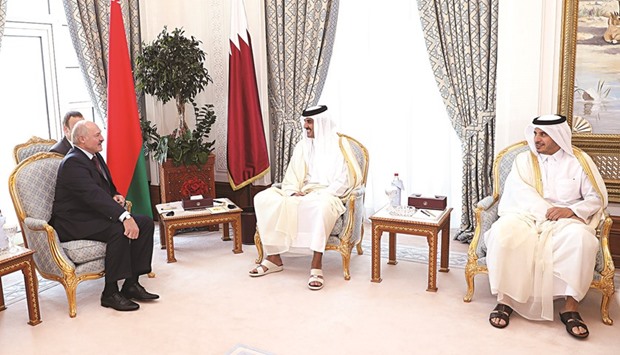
{"x":21,"y":259}
{"x":180,"y":219}
{"x":418,"y":224}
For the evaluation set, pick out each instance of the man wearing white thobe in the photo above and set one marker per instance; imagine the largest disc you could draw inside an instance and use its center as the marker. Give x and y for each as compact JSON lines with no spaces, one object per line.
{"x":302,"y":213}
{"x":543,"y":246}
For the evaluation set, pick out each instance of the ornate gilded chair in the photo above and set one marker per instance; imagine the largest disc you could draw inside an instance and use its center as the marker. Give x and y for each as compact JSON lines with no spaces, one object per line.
{"x":32,"y":146}
{"x":486,"y":213}
{"x":32,"y":185}
{"x":348,"y":230}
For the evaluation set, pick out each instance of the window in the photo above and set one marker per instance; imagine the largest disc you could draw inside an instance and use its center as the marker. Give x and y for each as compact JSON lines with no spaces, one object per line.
{"x":41,"y":80}
{"x":380,"y":89}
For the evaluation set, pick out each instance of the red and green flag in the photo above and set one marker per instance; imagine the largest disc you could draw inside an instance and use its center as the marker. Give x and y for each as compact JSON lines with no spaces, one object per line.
{"x":125,"y":157}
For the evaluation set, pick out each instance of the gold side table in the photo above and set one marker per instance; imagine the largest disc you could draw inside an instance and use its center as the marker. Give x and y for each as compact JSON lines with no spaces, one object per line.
{"x":21,"y":259}
{"x":417,"y":224}
{"x":179,"y":219}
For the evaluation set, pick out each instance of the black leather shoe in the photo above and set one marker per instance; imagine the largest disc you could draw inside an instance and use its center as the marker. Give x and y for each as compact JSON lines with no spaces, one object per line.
{"x":118,"y":302}
{"x":138,"y":292}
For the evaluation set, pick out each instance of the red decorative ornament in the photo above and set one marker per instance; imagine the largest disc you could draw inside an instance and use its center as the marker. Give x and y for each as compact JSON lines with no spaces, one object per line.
{"x":194,"y":186}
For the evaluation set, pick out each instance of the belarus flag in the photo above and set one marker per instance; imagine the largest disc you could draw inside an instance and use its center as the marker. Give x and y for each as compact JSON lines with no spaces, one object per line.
{"x":248,"y":159}
{"x":124,"y":149}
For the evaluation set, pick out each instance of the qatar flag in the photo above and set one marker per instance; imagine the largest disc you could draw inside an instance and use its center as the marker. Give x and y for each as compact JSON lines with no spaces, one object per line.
{"x":248,"y":159}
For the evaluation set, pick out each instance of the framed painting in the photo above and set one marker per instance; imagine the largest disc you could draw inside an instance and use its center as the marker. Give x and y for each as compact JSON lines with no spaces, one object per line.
{"x":590,"y":85}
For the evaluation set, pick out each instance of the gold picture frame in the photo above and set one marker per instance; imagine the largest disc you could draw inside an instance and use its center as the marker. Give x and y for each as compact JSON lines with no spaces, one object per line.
{"x":592,"y":110}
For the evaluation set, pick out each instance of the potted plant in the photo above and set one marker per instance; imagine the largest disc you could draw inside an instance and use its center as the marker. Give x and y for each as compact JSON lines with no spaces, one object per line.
{"x":172,"y":67}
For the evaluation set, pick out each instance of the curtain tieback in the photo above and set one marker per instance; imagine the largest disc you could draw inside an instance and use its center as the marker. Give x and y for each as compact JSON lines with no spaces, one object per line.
{"x":479,"y":123}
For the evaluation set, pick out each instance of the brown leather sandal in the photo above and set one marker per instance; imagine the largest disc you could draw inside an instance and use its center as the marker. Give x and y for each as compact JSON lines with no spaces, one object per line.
{"x":502,"y":312}
{"x":573,"y":320}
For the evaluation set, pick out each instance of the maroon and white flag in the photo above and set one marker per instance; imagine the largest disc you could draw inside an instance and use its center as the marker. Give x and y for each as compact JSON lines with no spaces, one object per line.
{"x":248,"y":159}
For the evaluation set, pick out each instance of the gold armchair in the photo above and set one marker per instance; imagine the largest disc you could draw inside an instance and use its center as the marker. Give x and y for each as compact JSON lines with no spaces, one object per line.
{"x":32,"y":146}
{"x":32,"y":186}
{"x":486,"y":214}
{"x":349,"y":229}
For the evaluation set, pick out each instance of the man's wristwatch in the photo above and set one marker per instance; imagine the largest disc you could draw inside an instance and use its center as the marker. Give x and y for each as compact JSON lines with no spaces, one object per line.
{"x":126,"y":217}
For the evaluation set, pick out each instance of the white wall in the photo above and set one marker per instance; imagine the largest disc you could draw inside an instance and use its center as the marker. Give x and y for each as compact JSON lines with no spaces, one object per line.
{"x":528,"y":65}
{"x":395,"y":110}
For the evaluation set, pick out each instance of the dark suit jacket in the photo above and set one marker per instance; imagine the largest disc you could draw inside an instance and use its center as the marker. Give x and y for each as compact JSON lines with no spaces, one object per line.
{"x":63,"y":146}
{"x":83,"y":204}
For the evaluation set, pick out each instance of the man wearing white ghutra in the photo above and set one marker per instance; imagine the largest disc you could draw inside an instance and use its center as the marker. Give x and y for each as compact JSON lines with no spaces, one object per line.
{"x":301,"y":214}
{"x":543,"y":246}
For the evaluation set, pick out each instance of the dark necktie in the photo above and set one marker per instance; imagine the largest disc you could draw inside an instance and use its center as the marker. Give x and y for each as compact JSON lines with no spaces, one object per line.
{"x":98,"y":166}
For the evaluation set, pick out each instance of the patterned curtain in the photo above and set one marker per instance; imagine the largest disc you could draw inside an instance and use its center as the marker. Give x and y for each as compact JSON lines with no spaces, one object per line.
{"x":2,"y":19}
{"x":461,"y":38}
{"x":88,"y":22}
{"x":300,"y":38}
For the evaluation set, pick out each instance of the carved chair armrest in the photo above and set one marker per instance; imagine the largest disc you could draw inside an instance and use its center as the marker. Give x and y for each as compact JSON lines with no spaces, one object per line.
{"x":485,"y":203}
{"x":485,"y":213}
{"x":35,"y":224}
{"x":34,"y":228}
{"x":354,"y":215}
{"x":604,"y":260}
{"x":357,"y":193}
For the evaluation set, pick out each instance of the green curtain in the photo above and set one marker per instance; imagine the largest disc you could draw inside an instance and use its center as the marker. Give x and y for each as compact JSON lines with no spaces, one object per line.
{"x":300,"y":38}
{"x":88,"y":22}
{"x":461,"y":38}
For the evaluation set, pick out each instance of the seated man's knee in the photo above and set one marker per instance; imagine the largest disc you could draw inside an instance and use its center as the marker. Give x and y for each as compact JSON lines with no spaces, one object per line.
{"x":259,"y":197}
{"x":265,"y":196}
{"x":505,"y":227}
{"x":116,"y":233}
{"x":145,"y":223}
{"x":582,"y":234}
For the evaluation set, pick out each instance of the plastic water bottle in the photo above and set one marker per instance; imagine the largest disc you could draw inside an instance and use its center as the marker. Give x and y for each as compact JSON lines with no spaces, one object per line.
{"x":4,"y":240}
{"x":394,"y":191}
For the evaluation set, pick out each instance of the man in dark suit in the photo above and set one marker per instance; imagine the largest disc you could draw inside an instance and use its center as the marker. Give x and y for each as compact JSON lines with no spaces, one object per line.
{"x":63,"y":146}
{"x":87,"y":206}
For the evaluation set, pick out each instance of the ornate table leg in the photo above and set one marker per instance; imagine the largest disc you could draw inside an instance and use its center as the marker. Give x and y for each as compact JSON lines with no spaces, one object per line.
{"x":226,"y":232}
{"x":2,"y":306}
{"x":170,"y":229}
{"x":162,"y":233}
{"x":236,"y":224}
{"x":376,"y":254}
{"x":392,"y":249}
{"x":32,"y":292}
{"x":432,"y":261}
{"x":445,"y":247}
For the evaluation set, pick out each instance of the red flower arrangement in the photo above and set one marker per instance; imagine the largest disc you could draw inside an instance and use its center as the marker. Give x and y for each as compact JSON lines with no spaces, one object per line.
{"x":194,"y":186}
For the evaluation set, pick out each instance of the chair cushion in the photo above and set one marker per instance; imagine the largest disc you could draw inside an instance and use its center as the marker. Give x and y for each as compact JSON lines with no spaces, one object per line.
{"x":339,"y":226}
{"x":83,"y":251}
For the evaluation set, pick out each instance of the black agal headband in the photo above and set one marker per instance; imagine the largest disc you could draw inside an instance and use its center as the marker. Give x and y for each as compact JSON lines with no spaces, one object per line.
{"x":541,"y":122}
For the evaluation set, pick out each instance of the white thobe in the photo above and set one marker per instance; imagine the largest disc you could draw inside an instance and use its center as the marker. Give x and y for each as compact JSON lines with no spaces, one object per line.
{"x":530,"y":259}
{"x":286,"y":221}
